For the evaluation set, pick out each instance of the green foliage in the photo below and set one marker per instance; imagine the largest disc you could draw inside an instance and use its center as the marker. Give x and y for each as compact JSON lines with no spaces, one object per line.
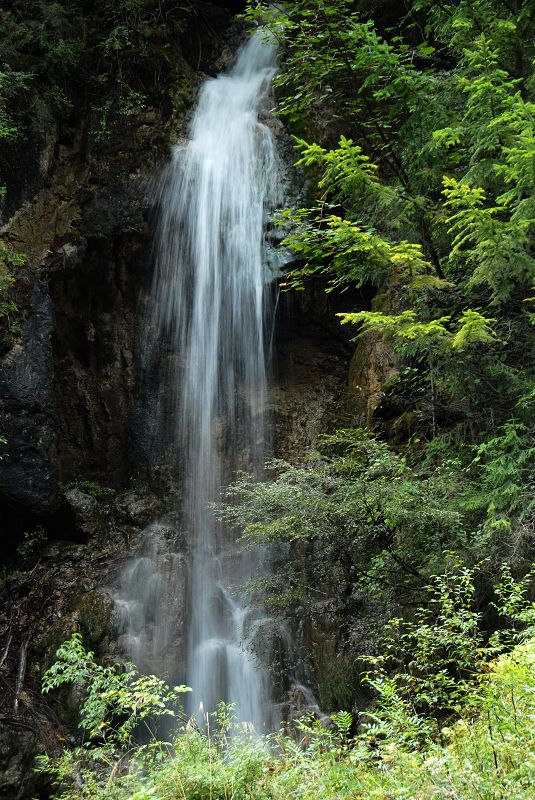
{"x":485,"y":749}
{"x":117,"y":698}
{"x":11,"y":83}
{"x":8,"y":307}
{"x":404,"y":327}
{"x":31,"y":542}
{"x":105,"y":56}
{"x":496,"y":247}
{"x":354,"y":526}
{"x":347,"y":513}
{"x":513,"y":605}
{"x":193,"y":767}
{"x":504,"y":469}
{"x":474,"y":329}
{"x":9,"y":319}
{"x":89,"y":487}
{"x":417,"y":138}
{"x":411,"y":335}
{"x":348,"y":253}
{"x":430,"y":666}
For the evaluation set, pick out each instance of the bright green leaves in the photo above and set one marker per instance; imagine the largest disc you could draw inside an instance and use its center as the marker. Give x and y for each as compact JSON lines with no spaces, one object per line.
{"x":515,"y":605}
{"x":472,"y":329}
{"x":349,"y":254}
{"x":406,"y":120}
{"x":517,"y":167}
{"x":485,"y":750}
{"x":404,"y":327}
{"x":117,"y":698}
{"x":436,"y":663}
{"x":346,"y":173}
{"x":343,"y":721}
{"x":352,"y":252}
{"x":447,"y":137}
{"x":489,"y":90}
{"x":11,"y":83}
{"x":457,"y":25}
{"x":490,"y":244}
{"x":493,"y":244}
{"x":493,"y":193}
{"x":10,"y":257}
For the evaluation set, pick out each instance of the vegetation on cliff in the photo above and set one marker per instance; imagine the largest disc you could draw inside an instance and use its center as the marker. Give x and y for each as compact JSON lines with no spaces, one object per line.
{"x":90,"y":61}
{"x":414,"y":125}
{"x":453,"y":719}
{"x":72,"y":75}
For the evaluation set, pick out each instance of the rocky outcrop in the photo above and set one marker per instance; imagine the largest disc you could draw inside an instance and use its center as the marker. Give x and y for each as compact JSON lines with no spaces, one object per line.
{"x":372,"y":367}
{"x":60,"y":588}
{"x":67,"y":385}
{"x":311,"y":354}
{"x":28,"y":471}
{"x":68,"y":393}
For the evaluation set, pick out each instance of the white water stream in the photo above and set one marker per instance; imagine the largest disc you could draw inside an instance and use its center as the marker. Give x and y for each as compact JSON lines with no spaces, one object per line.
{"x":210,"y":301}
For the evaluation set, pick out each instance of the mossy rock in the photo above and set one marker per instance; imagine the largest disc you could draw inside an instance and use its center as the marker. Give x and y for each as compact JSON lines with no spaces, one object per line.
{"x":94,"y":611}
{"x":46,"y":645}
{"x":337,"y":684}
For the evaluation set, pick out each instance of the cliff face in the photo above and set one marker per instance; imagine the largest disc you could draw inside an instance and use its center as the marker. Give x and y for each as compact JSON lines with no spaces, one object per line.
{"x":66,"y":384}
{"x":80,"y":208}
{"x":78,"y":488}
{"x":81,"y":214}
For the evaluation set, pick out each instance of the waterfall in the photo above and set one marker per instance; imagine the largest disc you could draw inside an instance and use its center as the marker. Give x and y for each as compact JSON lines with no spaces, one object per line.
{"x":210,"y":305}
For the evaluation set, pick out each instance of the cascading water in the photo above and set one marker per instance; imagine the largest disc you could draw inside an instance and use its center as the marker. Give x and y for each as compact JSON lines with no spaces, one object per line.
{"x":210,"y":305}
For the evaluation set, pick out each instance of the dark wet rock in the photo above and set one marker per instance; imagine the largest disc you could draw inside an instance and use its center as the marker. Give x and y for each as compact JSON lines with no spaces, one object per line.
{"x":19,"y":741}
{"x":84,"y":508}
{"x":28,"y":469}
{"x":139,"y":509}
{"x":311,"y":355}
{"x":69,"y":394}
{"x":373,"y":365}
{"x":94,"y":611}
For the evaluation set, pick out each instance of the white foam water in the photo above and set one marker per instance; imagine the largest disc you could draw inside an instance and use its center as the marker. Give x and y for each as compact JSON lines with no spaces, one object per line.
{"x":210,"y":304}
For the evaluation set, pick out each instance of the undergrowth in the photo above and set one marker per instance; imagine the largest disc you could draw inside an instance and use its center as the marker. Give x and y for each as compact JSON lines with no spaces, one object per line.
{"x":452,"y":719}
{"x":488,"y":754}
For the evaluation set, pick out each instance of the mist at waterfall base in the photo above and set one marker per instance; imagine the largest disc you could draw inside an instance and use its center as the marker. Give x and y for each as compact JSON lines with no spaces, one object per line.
{"x":211,"y":305}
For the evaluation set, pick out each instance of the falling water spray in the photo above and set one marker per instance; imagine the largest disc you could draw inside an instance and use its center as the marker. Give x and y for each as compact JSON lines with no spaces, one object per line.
{"x":210,"y":302}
